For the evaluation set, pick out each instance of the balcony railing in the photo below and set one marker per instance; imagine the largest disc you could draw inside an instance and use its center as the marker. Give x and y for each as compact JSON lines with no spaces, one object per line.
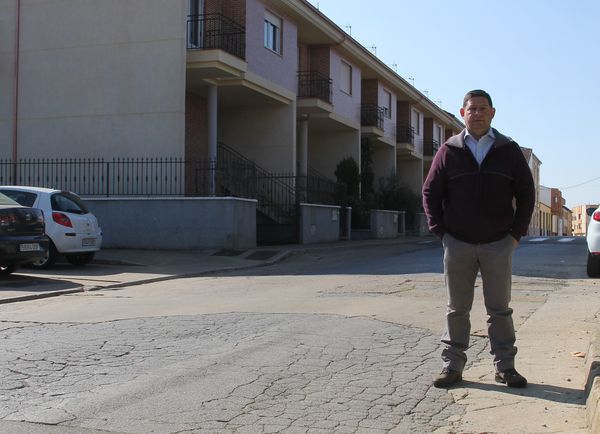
{"x":216,"y":31}
{"x":405,"y":133}
{"x":430,"y":147}
{"x":371,"y":116}
{"x":313,"y":84}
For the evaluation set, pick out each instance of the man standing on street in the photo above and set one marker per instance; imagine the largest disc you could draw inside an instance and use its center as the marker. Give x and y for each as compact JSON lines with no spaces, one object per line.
{"x":479,"y":196}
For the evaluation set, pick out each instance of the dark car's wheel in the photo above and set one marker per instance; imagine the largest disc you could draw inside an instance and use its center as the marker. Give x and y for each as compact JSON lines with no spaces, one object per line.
{"x":7,"y":269}
{"x":593,"y":265}
{"x":48,"y":260}
{"x":80,"y":258}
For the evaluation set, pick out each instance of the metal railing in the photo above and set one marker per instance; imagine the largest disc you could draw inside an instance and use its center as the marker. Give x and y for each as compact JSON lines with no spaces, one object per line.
{"x":216,"y":31}
{"x":371,"y":116}
{"x":430,"y":147}
{"x":313,"y":84}
{"x":234,"y":174}
{"x":405,"y":133}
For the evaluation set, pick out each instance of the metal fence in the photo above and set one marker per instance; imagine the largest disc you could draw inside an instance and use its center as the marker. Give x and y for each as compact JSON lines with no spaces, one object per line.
{"x":216,"y":31}
{"x":234,"y":175}
{"x":313,"y":84}
{"x":371,"y":115}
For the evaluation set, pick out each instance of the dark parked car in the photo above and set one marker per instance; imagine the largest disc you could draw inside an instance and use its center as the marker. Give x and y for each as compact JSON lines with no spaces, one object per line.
{"x":22,"y":237}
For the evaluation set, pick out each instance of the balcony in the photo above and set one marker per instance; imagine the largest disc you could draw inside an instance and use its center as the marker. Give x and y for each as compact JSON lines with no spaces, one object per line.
{"x":313,"y":84}
{"x":405,"y":133}
{"x":371,"y":115}
{"x":430,"y":147}
{"x":216,"y":31}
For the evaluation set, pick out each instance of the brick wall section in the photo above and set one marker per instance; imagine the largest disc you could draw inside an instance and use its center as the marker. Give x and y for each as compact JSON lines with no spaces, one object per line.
{"x":449,"y":132}
{"x":370,"y":92}
{"x":196,"y":135}
{"x":304,"y":57}
{"x":403,"y":112}
{"x":556,"y":205}
{"x":427,"y":130}
{"x":234,"y":9}
{"x":319,"y":60}
{"x":196,"y":131}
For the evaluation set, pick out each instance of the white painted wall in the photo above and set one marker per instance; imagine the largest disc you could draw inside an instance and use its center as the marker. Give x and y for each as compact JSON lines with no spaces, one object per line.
{"x":7,"y":77}
{"x":279,"y":68}
{"x":384,"y":163}
{"x":410,"y":172}
{"x":326,"y":150}
{"x":98,"y":78}
{"x":263,"y":133}
{"x":347,"y":106}
{"x":545,"y":196}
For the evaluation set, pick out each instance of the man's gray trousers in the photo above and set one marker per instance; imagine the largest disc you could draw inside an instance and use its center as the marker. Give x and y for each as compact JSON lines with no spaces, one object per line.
{"x":462,"y":262}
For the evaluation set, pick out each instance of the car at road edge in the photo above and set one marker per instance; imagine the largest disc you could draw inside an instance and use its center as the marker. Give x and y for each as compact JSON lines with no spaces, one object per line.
{"x":593,"y":243}
{"x":73,"y":230}
{"x":22,"y":237}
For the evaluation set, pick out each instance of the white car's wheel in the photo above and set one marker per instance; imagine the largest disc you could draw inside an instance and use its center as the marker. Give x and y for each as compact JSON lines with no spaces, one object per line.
{"x":593,"y":265}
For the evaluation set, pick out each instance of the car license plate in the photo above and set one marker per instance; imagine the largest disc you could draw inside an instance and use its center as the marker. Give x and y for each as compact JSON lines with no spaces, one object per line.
{"x":88,"y":242}
{"x":30,"y":247}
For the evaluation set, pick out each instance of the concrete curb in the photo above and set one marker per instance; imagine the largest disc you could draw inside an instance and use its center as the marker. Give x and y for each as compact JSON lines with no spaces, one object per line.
{"x":592,"y":387}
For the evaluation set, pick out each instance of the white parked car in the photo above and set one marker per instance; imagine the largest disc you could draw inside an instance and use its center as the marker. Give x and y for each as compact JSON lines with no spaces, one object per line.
{"x":73,"y":230}
{"x":593,"y":242}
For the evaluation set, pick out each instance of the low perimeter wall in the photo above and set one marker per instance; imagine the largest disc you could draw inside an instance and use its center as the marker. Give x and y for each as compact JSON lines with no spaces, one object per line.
{"x":319,"y":223}
{"x":176,"y":223}
{"x":384,"y":223}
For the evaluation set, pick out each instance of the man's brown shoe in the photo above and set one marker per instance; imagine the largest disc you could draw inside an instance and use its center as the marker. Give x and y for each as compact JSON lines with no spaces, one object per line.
{"x":511,"y":378}
{"x":447,"y":378}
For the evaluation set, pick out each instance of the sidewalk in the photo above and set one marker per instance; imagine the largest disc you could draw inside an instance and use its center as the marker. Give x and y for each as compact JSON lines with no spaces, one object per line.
{"x":117,"y":268}
{"x":120,"y":268}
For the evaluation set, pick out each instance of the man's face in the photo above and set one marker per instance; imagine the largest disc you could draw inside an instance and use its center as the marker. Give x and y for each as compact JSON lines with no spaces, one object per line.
{"x":478,"y":115}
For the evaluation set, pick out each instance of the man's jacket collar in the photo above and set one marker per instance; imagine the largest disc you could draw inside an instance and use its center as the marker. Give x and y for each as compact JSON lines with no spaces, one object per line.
{"x":459,"y":140}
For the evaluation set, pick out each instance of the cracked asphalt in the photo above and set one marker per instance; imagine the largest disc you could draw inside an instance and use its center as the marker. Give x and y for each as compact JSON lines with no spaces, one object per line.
{"x":224,"y":373}
{"x":326,"y":342}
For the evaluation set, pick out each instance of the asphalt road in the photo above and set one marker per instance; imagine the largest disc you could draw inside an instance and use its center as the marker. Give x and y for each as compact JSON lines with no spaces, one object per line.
{"x":335,"y":341}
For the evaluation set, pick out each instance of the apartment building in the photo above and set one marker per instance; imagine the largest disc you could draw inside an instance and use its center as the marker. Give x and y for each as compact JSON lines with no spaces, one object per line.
{"x":581,"y":218}
{"x":273,"y":83}
{"x":275,"y":80}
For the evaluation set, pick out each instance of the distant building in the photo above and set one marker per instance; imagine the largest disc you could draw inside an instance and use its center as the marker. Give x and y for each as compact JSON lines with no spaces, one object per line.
{"x":581,"y":218}
{"x":567,"y":221}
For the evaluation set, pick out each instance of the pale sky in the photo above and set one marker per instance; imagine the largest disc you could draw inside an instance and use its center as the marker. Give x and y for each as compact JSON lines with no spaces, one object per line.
{"x":539,"y":60}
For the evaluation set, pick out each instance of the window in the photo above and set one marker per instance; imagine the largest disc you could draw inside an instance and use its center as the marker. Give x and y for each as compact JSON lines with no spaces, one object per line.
{"x":272,"y":32}
{"x":387,"y":104}
{"x":438,"y":134}
{"x":195,"y":24}
{"x":66,"y":202}
{"x":416,"y":122}
{"x":346,"y":78}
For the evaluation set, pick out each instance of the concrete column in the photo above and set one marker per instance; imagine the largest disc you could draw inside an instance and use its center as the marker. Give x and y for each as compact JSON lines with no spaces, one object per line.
{"x":212,"y":136}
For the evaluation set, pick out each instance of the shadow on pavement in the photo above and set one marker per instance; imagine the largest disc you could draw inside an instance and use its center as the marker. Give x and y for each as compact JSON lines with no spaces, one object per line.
{"x":16,"y":282}
{"x":546,"y":392}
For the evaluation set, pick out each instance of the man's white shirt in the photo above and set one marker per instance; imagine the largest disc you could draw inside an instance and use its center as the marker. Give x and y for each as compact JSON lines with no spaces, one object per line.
{"x":480,"y":147}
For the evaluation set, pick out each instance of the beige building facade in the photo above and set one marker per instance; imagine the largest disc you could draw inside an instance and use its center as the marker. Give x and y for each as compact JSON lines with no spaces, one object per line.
{"x":276,"y":81}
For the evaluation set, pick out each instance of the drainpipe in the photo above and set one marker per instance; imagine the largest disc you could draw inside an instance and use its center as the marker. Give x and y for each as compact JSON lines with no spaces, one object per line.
{"x":15,"y":153}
